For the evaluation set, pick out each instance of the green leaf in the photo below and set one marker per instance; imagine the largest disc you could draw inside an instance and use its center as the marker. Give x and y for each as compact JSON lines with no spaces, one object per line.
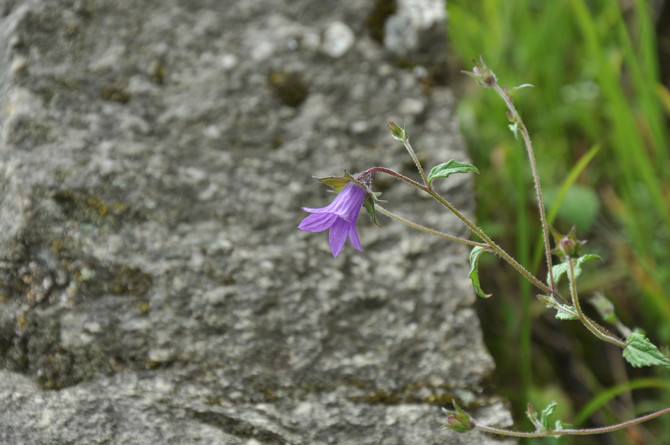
{"x":336,"y":182}
{"x":525,"y":85}
{"x":514,"y":128}
{"x":542,"y":424}
{"x":558,"y":270}
{"x":563,"y":314}
{"x":563,"y":311}
{"x":561,"y":269}
{"x":474,"y":273}
{"x":639,"y":351}
{"x":548,"y":411}
{"x":369,"y":205}
{"x":449,"y":168}
{"x":531,"y":413}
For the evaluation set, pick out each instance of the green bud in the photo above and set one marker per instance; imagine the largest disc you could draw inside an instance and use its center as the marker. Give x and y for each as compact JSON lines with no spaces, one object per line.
{"x":458,"y":420}
{"x":400,"y":134}
{"x":567,"y":245}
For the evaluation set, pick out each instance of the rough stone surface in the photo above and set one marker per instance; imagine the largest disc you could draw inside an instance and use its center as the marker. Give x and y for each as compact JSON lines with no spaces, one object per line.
{"x":154,"y":287}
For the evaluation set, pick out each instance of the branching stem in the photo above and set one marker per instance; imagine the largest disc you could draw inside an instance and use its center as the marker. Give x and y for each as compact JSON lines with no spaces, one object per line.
{"x":597,"y":330}
{"x":489,"y":244}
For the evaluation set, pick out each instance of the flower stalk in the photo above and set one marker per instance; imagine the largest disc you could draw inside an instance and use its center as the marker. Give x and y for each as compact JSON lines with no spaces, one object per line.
{"x":518,"y":123}
{"x":416,"y":226}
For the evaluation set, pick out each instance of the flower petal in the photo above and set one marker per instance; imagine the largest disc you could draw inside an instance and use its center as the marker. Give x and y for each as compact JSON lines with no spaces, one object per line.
{"x":318,"y":222}
{"x":353,"y":237}
{"x":348,"y":202}
{"x":311,"y":210}
{"x":338,"y":235}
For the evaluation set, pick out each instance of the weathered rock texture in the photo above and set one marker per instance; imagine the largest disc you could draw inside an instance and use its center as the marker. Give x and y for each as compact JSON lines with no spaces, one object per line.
{"x":154,"y":286}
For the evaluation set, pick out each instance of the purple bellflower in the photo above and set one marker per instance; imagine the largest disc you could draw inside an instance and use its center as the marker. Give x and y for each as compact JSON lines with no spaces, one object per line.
{"x":340,"y":217}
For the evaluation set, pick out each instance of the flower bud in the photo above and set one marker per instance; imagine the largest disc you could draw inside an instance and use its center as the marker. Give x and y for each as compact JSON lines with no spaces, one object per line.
{"x":398,"y":133}
{"x":567,"y":245}
{"x":459,"y":421}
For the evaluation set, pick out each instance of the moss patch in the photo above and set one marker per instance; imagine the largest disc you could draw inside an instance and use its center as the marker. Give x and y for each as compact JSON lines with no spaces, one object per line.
{"x":288,"y":87}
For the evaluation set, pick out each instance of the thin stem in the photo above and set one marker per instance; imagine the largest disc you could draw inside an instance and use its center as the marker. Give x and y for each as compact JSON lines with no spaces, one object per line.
{"x":598,"y":331}
{"x":397,"y":175}
{"x":516,"y":118}
{"x":490,"y":244}
{"x":415,"y":158}
{"x":429,"y":230}
{"x":572,"y":432}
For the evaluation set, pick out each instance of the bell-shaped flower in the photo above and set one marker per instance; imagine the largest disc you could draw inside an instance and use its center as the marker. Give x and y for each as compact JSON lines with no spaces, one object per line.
{"x":340,"y":217}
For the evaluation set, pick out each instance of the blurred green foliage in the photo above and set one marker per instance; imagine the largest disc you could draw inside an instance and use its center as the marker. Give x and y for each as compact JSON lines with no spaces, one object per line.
{"x":594,"y":65}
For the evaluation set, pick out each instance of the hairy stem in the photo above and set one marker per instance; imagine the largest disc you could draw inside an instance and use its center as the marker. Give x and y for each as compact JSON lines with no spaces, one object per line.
{"x":489,"y":243}
{"x":516,"y":118}
{"x":415,"y":158}
{"x":396,"y":175}
{"x":598,"y":331}
{"x":572,"y":432}
{"x":492,"y":245}
{"x":429,"y":230}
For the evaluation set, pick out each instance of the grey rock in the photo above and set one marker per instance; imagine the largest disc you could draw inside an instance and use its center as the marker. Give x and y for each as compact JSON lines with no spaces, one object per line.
{"x":154,"y":287}
{"x":406,"y":28}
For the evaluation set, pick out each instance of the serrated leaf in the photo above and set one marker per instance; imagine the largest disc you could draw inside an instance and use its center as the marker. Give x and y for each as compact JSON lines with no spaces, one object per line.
{"x":369,"y":205}
{"x":474,"y":272}
{"x":558,"y":270}
{"x":639,"y":351}
{"x":449,"y":168}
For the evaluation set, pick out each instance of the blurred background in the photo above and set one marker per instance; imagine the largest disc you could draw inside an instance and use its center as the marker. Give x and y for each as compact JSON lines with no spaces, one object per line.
{"x":598,"y":116}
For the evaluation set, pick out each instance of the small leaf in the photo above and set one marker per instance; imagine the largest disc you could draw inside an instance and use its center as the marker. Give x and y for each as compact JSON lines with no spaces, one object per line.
{"x":548,"y":411}
{"x":336,"y":182}
{"x":531,"y":413}
{"x":559,"y":270}
{"x":449,"y":168}
{"x":369,"y":205}
{"x":640,"y":351}
{"x":563,"y":314}
{"x":582,"y":259}
{"x":514,"y":128}
{"x":558,"y":426}
{"x":525,"y":85}
{"x":474,"y":273}
{"x":563,"y":311}
{"x":604,"y":307}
